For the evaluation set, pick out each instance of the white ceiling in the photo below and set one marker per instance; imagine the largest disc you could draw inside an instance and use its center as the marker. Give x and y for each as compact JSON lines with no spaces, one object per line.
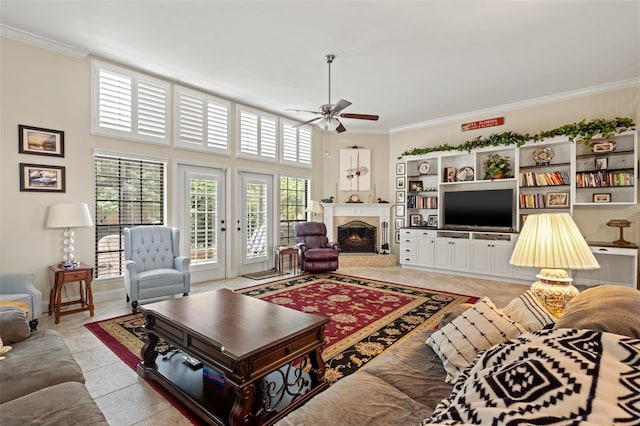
{"x":408,"y":61}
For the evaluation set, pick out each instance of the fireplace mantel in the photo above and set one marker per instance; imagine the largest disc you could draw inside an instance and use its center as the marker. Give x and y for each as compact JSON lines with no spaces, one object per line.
{"x":381,"y":210}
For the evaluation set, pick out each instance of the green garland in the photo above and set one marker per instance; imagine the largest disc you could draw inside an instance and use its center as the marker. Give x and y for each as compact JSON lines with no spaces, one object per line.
{"x":583,"y":130}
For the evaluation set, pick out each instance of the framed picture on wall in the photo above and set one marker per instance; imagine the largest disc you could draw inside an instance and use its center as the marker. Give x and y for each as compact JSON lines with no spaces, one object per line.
{"x":400,"y":168}
{"x":39,"y":178}
{"x":400,"y":210}
{"x":397,"y":237}
{"x":39,"y":141}
{"x":399,"y":222}
{"x":400,"y":182}
{"x":399,"y":196}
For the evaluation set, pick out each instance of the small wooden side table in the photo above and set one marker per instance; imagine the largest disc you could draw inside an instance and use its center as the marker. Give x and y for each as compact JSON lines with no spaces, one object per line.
{"x":58,"y":277}
{"x":292,"y":252}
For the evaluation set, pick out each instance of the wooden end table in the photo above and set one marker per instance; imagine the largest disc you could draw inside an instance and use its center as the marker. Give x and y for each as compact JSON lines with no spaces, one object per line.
{"x":292,"y":253}
{"x":254,"y":344}
{"x":58,"y":277}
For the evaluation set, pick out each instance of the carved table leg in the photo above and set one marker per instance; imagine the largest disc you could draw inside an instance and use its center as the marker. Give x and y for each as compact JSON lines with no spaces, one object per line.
{"x":317,"y":367}
{"x":148,"y":353}
{"x":241,"y":411}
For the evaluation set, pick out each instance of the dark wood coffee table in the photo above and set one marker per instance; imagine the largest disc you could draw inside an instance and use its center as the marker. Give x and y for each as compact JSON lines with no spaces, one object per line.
{"x":261,"y":348}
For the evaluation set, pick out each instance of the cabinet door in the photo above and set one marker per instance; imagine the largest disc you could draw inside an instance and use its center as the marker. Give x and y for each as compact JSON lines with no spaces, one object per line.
{"x":460,"y":254}
{"x":481,"y":257}
{"x":426,"y":252}
{"x":501,"y":254}
{"x":443,"y":257}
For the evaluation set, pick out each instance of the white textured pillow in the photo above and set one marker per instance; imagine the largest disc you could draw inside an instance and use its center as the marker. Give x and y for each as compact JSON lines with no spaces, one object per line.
{"x":529,"y":312}
{"x":478,"y":328}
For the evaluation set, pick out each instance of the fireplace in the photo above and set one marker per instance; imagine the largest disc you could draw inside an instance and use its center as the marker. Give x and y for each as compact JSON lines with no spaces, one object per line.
{"x":357,"y":237}
{"x":372,"y":217}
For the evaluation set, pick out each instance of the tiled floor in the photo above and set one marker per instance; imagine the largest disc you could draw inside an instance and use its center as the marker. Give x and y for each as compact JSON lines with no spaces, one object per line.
{"x":126,"y":399}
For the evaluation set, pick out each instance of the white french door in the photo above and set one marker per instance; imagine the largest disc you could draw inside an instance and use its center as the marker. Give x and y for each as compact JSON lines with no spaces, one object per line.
{"x":255,"y":222}
{"x":202,"y":220}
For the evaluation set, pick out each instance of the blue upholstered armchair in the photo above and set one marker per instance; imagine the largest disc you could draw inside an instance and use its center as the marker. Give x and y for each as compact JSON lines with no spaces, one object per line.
{"x":153,"y":266}
{"x":20,"y":288}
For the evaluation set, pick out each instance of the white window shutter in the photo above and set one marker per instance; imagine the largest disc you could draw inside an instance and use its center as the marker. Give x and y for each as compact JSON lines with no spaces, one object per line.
{"x":248,"y":133}
{"x":114,"y":101}
{"x":304,"y":146}
{"x":296,"y":144}
{"x":202,"y":121}
{"x":268,"y":137}
{"x":289,"y":143}
{"x":152,"y":110}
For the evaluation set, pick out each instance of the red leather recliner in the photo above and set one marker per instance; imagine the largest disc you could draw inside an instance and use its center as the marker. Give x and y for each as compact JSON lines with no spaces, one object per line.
{"x":317,"y":254}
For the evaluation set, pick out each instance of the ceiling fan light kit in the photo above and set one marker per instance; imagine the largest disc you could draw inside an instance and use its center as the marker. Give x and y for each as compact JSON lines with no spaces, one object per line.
{"x":329,"y":112}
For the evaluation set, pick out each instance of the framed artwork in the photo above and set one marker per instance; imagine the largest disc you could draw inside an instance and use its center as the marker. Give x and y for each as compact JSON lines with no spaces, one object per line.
{"x":602,"y":163}
{"x":415,"y":185}
{"x":449,"y":174}
{"x":400,"y":168}
{"x":400,"y":182}
{"x":415,"y":219}
{"x":558,"y":199}
{"x":399,"y":196}
{"x":38,"y":141}
{"x":397,"y":237}
{"x":39,"y":178}
{"x":355,"y":169}
{"x":399,"y":222}
{"x":602,"y":198}
{"x":400,"y":210}
{"x":432,"y":221}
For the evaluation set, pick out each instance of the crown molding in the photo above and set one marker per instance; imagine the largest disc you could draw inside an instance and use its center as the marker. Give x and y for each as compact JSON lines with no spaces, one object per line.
{"x":42,"y":42}
{"x":624,"y":84}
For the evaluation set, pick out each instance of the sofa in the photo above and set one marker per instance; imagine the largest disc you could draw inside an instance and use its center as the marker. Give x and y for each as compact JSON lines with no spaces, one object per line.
{"x":40,"y":381}
{"x":486,"y":365}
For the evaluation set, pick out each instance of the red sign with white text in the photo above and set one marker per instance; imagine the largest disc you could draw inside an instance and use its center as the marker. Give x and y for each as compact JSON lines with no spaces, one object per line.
{"x":490,"y":122}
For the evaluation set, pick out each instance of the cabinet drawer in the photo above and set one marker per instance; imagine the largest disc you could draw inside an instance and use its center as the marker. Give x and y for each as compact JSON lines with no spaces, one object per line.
{"x":426,"y":233}
{"x":407,"y":240}
{"x":407,"y":259}
{"x":407,"y":250}
{"x":407,"y":233}
{"x":75,"y":276}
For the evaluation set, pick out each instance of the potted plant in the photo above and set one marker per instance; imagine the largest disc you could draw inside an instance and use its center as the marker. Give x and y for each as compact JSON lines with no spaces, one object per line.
{"x":496,"y":167}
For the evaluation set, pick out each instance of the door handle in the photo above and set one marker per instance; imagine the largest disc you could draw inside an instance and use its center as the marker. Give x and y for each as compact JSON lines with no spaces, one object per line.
{"x":223,"y":229}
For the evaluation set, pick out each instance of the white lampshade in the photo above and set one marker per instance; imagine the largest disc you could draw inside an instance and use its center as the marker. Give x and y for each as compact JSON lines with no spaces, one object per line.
{"x":315,"y":208}
{"x":69,"y":216}
{"x":552,"y":241}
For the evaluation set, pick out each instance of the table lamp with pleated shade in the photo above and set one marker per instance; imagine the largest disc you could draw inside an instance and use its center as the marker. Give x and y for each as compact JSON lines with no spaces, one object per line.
{"x":553,"y":242}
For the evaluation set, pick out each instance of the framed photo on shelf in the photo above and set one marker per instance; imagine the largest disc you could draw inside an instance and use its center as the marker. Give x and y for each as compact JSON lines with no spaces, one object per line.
{"x":415,"y":185}
{"x":400,"y":168}
{"x":39,"y":178}
{"x":432,"y":221}
{"x":449,"y":174}
{"x":399,"y":196}
{"x":399,"y":222}
{"x":400,"y":182}
{"x":558,"y":199}
{"x":38,"y":141}
{"x":415,"y":219}
{"x":400,"y":210}
{"x":397,"y":237}
{"x":602,"y":163}
{"x":602,"y":197}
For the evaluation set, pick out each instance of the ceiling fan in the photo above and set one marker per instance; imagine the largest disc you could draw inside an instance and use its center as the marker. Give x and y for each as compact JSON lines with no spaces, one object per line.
{"x":329,"y":112}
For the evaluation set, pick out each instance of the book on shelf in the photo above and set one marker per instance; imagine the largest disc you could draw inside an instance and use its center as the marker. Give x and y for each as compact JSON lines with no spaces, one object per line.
{"x":421,"y":202}
{"x":554,"y":178}
{"x":603,"y":178}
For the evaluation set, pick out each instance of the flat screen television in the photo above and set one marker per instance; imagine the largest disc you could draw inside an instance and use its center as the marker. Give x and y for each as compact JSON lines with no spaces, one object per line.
{"x":484,"y":208}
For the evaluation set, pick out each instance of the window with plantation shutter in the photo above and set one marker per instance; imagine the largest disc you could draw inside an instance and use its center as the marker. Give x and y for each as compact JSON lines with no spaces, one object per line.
{"x":258,"y":135}
{"x":128,"y":192}
{"x":129,"y":105}
{"x":295,"y":144}
{"x":202,"y":121}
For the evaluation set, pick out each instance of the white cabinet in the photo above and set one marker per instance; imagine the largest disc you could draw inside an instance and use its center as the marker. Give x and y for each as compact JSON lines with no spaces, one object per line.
{"x":408,"y":248}
{"x":492,"y":258}
{"x":426,"y":248}
{"x":452,"y":254}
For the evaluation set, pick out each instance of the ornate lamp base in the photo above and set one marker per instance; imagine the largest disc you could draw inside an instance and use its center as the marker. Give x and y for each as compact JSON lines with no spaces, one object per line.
{"x":554,"y":289}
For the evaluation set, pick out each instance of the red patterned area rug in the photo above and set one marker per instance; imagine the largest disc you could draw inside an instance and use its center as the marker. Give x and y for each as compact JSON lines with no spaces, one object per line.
{"x":368,"y":317}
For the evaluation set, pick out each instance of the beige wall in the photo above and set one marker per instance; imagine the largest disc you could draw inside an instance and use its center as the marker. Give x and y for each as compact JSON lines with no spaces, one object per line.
{"x":45,"y":89}
{"x":619,"y":103}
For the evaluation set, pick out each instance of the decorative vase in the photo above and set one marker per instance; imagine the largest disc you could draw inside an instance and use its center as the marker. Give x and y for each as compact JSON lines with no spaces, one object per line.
{"x":498,"y":175}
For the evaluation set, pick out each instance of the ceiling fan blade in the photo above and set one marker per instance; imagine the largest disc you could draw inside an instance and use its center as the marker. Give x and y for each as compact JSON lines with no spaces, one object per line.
{"x":342,"y":104}
{"x":360,"y":116}
{"x":303,"y":110}
{"x":308,"y":122}
{"x":340,"y":128}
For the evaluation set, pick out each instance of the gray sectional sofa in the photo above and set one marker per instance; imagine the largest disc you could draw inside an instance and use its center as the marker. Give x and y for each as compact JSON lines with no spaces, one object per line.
{"x":40,"y":381}
{"x":407,"y":385}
